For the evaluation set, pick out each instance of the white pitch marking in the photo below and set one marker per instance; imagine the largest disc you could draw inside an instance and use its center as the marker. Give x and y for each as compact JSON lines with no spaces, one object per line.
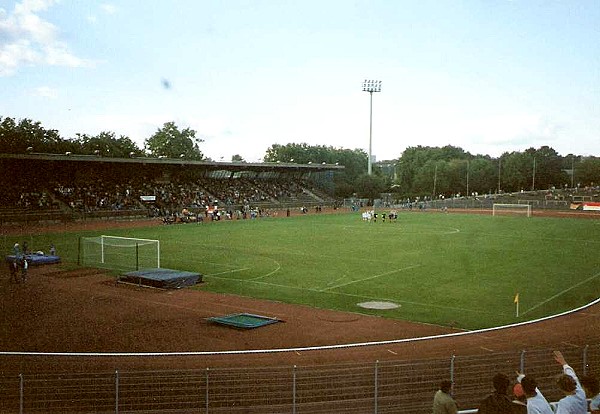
{"x":408,"y":302}
{"x":336,"y":280}
{"x":561,"y":293}
{"x":369,"y":278}
{"x":229,"y":271}
{"x":270,"y":273}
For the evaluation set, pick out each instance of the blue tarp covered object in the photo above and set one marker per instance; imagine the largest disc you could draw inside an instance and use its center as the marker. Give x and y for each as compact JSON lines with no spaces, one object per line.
{"x":162,"y":278}
{"x":35,"y":259}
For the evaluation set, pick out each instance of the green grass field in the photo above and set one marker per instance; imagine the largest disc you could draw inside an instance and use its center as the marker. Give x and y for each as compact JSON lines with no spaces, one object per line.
{"x":447,"y":269}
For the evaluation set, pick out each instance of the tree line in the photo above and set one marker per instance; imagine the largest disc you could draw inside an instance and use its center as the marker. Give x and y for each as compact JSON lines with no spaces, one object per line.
{"x":419,"y":171}
{"x":450,"y":170}
{"x":25,"y":135}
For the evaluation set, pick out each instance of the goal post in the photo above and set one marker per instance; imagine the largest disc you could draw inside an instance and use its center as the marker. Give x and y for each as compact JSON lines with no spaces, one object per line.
{"x":119,"y":253}
{"x":499,"y":209}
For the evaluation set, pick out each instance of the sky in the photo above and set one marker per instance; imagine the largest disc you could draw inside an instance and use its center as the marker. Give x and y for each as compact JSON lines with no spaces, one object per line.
{"x":489,"y":76}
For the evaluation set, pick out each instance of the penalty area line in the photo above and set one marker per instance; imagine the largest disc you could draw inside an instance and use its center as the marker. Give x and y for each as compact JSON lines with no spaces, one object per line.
{"x":369,"y":278}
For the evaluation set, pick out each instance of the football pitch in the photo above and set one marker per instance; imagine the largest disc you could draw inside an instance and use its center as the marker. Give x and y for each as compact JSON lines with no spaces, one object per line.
{"x":449,"y":269}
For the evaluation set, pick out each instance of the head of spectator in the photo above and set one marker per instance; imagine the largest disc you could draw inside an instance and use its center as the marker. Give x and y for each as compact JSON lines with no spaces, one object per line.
{"x":567,"y":384}
{"x":501,"y":383}
{"x":518,"y":391}
{"x":591,"y":385}
{"x":519,"y":398}
{"x":529,"y":385}
{"x":446,"y":386}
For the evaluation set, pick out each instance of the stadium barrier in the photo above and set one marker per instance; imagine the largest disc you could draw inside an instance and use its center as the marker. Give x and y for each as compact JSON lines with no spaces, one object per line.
{"x":378,"y":387}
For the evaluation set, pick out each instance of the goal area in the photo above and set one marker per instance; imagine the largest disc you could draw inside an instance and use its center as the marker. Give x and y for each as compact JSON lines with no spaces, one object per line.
{"x":119,"y":253}
{"x":499,"y":209}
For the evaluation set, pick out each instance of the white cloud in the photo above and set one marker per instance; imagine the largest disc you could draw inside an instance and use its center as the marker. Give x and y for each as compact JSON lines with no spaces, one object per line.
{"x":45,"y":92}
{"x":28,"y":39}
{"x":108,"y":8}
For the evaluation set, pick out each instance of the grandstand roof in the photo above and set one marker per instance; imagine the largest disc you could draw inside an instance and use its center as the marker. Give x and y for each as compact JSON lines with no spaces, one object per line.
{"x":232,"y":166}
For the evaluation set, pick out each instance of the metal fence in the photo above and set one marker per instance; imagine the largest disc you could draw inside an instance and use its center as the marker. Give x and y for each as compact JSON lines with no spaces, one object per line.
{"x":377,"y":387}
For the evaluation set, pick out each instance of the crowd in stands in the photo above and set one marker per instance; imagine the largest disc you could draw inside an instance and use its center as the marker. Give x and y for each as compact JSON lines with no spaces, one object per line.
{"x":527,"y":398}
{"x":159,"y":196}
{"x":25,"y":198}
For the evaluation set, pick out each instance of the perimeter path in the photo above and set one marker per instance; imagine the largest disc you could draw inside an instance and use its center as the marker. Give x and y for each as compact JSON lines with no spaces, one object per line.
{"x":87,"y":323}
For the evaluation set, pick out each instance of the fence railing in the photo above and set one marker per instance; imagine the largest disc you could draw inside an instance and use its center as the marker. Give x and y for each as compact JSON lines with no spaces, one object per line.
{"x":378,"y":387}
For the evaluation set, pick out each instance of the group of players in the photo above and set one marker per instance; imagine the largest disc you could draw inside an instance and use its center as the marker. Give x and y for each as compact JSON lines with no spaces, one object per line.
{"x":372,"y":216}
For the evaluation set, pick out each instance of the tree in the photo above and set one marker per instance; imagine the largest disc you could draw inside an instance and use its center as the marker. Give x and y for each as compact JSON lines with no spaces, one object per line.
{"x":108,"y":145}
{"x":516,"y":171}
{"x":548,"y":168}
{"x":17,"y":137}
{"x":237,"y":158}
{"x":354,"y":161}
{"x":483,"y":175}
{"x":370,"y":186}
{"x":170,"y":142}
{"x":587,"y":172}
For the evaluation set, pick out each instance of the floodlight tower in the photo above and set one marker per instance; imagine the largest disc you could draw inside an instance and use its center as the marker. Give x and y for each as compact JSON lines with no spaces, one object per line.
{"x":371,"y":86}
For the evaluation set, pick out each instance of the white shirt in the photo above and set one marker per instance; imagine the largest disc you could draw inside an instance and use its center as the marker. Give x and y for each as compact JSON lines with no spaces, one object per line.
{"x":575,"y":403}
{"x":538,"y":404}
{"x":595,"y":403}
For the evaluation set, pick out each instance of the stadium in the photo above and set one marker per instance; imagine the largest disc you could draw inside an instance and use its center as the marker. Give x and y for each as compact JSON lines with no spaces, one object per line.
{"x":474,"y":288}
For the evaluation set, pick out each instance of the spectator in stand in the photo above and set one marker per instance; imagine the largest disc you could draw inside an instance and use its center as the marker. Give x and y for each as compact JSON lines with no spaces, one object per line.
{"x":498,"y":401}
{"x":574,"y":401}
{"x":591,"y":386}
{"x":536,"y":402}
{"x":443,"y":403}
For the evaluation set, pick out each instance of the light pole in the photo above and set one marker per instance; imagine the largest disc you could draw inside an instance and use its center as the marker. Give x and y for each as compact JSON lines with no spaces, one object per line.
{"x":371,"y":86}
{"x":533,"y":179}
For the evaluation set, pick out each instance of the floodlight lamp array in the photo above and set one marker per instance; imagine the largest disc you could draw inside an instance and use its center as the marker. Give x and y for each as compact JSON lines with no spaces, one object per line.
{"x":371,"y":86}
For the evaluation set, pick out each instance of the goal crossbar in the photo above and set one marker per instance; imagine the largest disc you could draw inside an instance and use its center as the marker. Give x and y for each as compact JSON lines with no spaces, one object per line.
{"x":133,"y":242}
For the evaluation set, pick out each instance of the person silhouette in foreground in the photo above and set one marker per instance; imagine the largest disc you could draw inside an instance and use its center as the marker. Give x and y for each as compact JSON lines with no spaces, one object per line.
{"x":536,"y":402}
{"x":591,"y":386}
{"x":574,"y":401}
{"x":443,"y":403}
{"x":498,"y":402}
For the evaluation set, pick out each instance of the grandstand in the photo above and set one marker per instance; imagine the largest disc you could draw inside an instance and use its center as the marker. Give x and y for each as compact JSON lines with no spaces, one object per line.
{"x":77,"y":187}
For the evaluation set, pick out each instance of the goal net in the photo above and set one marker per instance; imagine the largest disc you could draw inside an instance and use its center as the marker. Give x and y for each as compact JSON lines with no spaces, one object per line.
{"x":119,"y":253}
{"x":511,"y":209}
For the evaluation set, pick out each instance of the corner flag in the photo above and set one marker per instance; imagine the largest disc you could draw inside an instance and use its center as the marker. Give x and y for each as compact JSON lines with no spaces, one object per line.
{"x":517,"y":303}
